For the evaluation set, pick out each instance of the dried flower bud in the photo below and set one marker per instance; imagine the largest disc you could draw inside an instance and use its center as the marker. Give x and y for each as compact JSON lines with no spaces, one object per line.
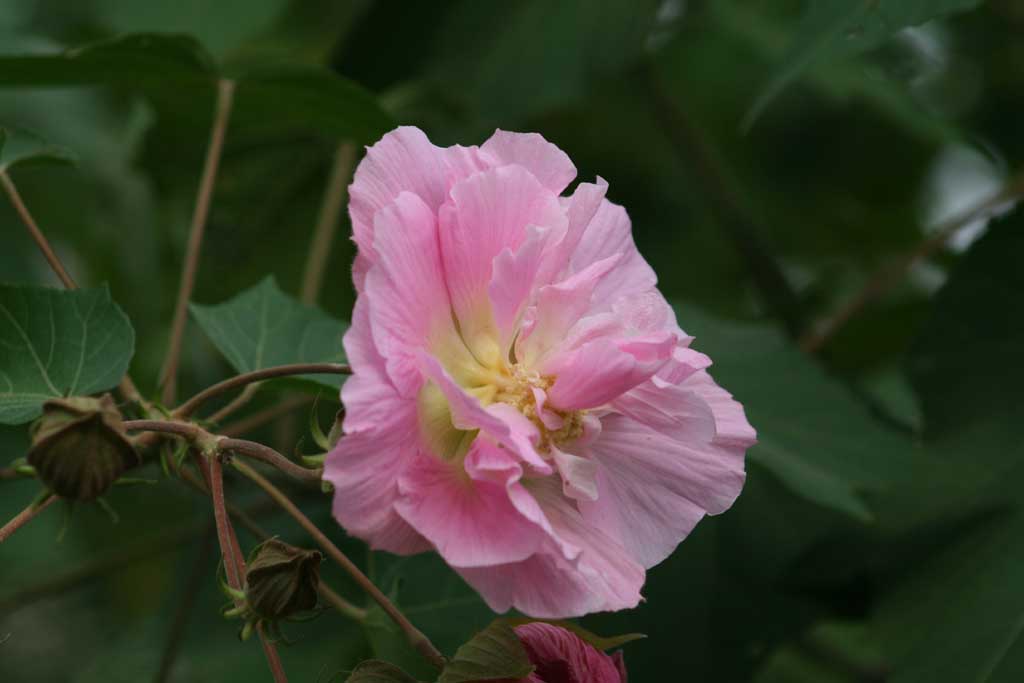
{"x":282,"y":580}
{"x":80,"y":447}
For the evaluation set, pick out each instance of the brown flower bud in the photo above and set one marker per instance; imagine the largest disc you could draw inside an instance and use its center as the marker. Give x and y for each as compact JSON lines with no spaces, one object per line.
{"x":80,"y":447}
{"x":282,"y":580}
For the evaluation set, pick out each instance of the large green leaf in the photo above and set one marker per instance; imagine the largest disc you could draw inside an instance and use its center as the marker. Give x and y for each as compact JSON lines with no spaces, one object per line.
{"x":263,"y":327}
{"x":21,"y":148}
{"x":494,"y":654}
{"x":960,"y":615}
{"x":58,"y":343}
{"x":812,"y":434}
{"x":831,"y":27}
{"x":176,"y":71}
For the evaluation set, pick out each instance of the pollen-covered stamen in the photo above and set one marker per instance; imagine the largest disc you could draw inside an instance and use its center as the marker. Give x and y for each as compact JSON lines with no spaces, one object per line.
{"x":556,"y":427}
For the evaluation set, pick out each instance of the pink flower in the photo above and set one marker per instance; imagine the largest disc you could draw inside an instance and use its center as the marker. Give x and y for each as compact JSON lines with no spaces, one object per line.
{"x":523,"y":400}
{"x":561,"y":656}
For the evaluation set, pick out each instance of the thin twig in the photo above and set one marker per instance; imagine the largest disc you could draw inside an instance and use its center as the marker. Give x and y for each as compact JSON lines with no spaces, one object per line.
{"x":8,"y":473}
{"x":24,"y":517}
{"x":235,"y":404}
{"x":258,"y":451}
{"x":187,"y":408}
{"x":33,"y":229}
{"x":341,"y":604}
{"x":892,"y":273}
{"x":179,"y":626}
{"x":416,"y":637}
{"x":225,"y":95}
{"x":234,"y":564}
{"x":327,"y":222}
{"x":205,"y":440}
{"x":262,"y":417}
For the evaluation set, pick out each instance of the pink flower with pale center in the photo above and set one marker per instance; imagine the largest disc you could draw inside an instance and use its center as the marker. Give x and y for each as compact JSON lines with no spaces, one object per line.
{"x":560,"y":656}
{"x":522,"y":399}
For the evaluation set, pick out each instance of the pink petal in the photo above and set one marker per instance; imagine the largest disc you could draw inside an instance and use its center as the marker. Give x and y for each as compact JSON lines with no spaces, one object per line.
{"x":548,"y":585}
{"x":610,"y":232}
{"x":657,"y":480}
{"x":548,"y":164}
{"x":404,"y":160}
{"x":472,"y":523}
{"x":560,"y":655}
{"x":487,"y":213}
{"x":513,"y":280}
{"x":559,"y":307}
{"x":579,"y":475}
{"x":365,"y":484}
{"x":604,"y":369}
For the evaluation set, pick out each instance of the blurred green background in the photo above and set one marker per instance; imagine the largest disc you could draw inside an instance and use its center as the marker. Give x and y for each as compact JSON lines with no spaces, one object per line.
{"x":773,"y":155}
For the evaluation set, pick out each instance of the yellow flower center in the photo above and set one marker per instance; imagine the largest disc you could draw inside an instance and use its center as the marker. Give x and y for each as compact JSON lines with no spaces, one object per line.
{"x":491,"y":378}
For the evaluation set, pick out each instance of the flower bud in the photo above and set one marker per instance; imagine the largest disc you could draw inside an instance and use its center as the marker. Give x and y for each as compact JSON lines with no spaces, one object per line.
{"x":282,"y":580}
{"x":80,"y":447}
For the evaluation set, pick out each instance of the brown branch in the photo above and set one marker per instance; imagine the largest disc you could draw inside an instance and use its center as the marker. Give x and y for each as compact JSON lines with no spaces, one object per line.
{"x":234,"y":564}
{"x":33,"y":229}
{"x":235,"y":404}
{"x":189,"y":407}
{"x":258,"y":451}
{"x":892,"y":273}
{"x":327,"y":222}
{"x":225,"y":95}
{"x":209,"y":443}
{"x":416,"y":637}
{"x":24,"y":517}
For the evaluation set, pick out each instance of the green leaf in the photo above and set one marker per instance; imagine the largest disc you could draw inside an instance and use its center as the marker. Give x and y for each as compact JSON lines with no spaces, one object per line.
{"x":831,"y":27}
{"x":175,"y":70}
{"x":820,"y":442}
{"x":21,"y":148}
{"x":493,"y":654}
{"x":376,"y":671}
{"x":263,"y":327}
{"x":960,"y":615}
{"x":308,"y":98}
{"x":58,"y":343}
{"x":143,"y":59}
{"x":600,"y":642}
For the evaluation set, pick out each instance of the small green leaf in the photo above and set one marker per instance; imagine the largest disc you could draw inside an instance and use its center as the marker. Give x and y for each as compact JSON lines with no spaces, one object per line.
{"x":599,"y":642}
{"x":263,"y":327}
{"x":831,"y":27}
{"x":376,"y":671}
{"x":143,"y":59}
{"x":493,"y":654}
{"x":56,"y":343}
{"x":21,"y":148}
{"x":319,"y":438}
